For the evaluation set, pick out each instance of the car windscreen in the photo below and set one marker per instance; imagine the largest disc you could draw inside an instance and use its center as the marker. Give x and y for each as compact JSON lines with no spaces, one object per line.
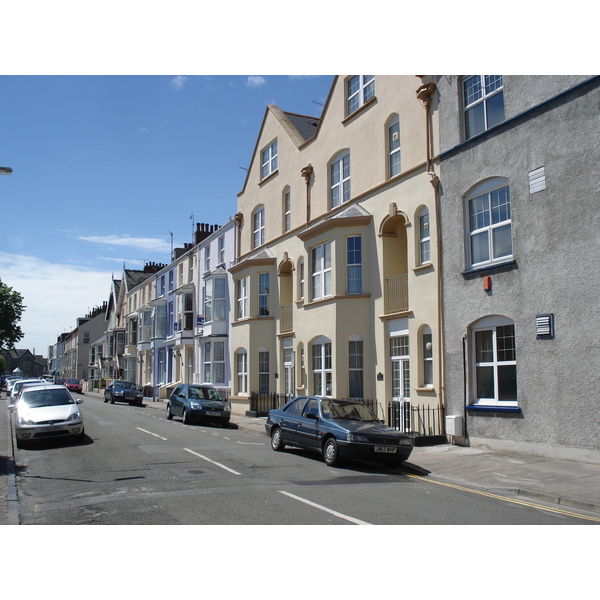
{"x":43,"y":398}
{"x":353,"y":411}
{"x":73,"y":381}
{"x":124,"y":385}
{"x":204,"y":393}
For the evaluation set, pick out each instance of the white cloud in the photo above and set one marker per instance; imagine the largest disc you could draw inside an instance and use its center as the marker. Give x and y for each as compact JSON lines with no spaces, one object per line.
{"x":178,"y":82}
{"x":255,"y":81}
{"x":155,"y":244}
{"x":55,"y":295}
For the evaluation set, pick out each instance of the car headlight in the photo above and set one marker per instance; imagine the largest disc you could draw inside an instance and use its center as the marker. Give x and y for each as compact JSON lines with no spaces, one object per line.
{"x":404,"y":442}
{"x":74,"y":417}
{"x":25,"y":421}
{"x":353,"y":437}
{"x":194,"y":405}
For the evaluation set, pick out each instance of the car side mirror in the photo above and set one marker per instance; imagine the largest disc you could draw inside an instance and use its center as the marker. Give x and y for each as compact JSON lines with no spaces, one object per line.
{"x":79,"y":401}
{"x":312,"y":416}
{"x":181,"y":395}
{"x":12,"y":407}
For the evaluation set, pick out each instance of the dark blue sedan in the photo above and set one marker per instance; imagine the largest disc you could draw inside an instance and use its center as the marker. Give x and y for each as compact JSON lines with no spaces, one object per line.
{"x":199,"y":401}
{"x":338,"y":429}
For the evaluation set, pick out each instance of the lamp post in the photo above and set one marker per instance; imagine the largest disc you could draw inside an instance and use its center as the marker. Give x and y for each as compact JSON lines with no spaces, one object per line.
{"x":5,"y":170}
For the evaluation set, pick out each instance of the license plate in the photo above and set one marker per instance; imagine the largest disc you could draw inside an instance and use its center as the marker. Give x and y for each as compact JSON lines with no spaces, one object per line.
{"x":52,"y":428}
{"x":385,"y":449}
{"x":212,"y":413}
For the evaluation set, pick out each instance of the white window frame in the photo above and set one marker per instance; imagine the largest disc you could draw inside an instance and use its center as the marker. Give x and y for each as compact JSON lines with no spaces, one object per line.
{"x":222,"y":250}
{"x":424,"y":236}
{"x":496,"y":359}
{"x":359,"y":90}
{"x":478,"y":91}
{"x":339,"y":180}
{"x":487,"y":215}
{"x":427,"y":356}
{"x":356,"y":367}
{"x":268,"y":160}
{"x":207,"y":258}
{"x":321,"y":275}
{"x":242,"y":298}
{"x":241,"y":362}
{"x":263,"y":371}
{"x":287,"y":210}
{"x":263,"y":294}
{"x":258,"y":227}
{"x":354,"y":265}
{"x":394,"y":155}
{"x":322,"y":371}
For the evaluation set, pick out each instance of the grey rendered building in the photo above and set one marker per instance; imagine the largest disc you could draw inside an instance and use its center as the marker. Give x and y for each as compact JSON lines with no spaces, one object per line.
{"x":519,"y":196}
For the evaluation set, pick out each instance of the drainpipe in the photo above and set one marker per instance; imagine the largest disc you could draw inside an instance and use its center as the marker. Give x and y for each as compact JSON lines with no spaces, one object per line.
{"x":238,"y":218}
{"x":424,"y":94}
{"x":306,"y":173}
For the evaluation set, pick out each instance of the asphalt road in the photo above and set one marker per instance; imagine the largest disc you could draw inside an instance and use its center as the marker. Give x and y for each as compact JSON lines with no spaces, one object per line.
{"x":135,"y":467}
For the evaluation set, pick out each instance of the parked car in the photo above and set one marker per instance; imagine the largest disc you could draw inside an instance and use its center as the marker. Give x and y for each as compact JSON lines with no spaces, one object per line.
{"x":46,"y":411}
{"x":338,"y":429}
{"x":124,"y":391}
{"x":74,"y":385}
{"x":199,"y":401}
{"x":16,"y":385}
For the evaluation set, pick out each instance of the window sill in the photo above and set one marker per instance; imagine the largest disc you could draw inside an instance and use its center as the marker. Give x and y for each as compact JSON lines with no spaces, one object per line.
{"x":425,"y":267}
{"x":360,"y":110}
{"x":509,"y":265}
{"x":269,"y":177}
{"x":492,"y":408}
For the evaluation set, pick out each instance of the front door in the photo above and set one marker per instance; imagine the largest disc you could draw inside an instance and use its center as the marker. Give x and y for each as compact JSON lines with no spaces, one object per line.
{"x":400,"y":369}
{"x":288,"y":370}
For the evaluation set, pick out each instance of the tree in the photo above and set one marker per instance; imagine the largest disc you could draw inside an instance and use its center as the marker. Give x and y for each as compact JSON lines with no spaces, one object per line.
{"x":11,"y":308}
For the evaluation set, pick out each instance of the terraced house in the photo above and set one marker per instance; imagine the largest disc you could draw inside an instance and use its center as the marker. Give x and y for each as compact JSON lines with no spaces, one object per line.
{"x":337,"y":279}
{"x":521,"y":261}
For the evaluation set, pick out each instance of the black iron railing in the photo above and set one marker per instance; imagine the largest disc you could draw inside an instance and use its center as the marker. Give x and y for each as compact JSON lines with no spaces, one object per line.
{"x":415,"y":419}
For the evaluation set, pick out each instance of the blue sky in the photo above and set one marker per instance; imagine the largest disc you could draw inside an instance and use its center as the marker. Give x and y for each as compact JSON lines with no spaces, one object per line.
{"x":105,"y":167}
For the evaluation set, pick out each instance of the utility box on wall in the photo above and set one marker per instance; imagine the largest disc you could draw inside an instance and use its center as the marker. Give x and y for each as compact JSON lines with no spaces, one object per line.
{"x":454,"y":425}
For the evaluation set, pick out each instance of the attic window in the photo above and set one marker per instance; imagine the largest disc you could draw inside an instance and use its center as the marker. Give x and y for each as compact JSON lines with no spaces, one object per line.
{"x":544,"y":326}
{"x":537,"y":180}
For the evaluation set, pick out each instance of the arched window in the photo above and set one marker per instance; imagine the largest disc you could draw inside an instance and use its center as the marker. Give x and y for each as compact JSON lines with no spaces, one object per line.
{"x":394,"y":146}
{"x":258,"y":227}
{"x":242,"y":371}
{"x":339,"y":179}
{"x":427,"y":356}
{"x":424,"y":236}
{"x":489,"y":224}
{"x":322,"y":367}
{"x":287,"y":210}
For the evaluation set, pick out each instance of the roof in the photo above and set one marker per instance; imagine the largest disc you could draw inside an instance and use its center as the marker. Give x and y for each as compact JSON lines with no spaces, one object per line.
{"x":306,"y":126}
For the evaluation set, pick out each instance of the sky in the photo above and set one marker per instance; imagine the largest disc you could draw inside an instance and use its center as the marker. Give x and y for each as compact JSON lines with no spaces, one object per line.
{"x":105,"y":168}
{"x":122,"y":124}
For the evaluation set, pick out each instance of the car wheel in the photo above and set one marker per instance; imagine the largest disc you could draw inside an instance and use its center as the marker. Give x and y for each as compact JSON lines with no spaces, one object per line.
{"x":105,"y":399}
{"x":112,"y":399}
{"x":277,"y":440}
{"x":169,"y":413}
{"x":331,"y":453}
{"x":184,"y":416}
{"x":21,"y":444}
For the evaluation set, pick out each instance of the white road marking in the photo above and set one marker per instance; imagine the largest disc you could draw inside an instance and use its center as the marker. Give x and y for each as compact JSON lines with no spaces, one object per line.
{"x":251,"y":443}
{"x":325,"y":509}
{"x":211,"y":461}
{"x":154,"y":434}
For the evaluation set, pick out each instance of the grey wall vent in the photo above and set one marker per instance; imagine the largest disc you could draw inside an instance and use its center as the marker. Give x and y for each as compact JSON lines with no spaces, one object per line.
{"x":544,"y":326}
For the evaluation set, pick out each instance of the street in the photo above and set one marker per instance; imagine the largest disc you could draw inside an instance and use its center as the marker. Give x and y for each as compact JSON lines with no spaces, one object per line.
{"x":137,"y":468}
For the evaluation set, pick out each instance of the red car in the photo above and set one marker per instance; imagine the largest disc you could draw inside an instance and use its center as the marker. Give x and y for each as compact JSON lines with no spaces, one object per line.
{"x":73,"y":385}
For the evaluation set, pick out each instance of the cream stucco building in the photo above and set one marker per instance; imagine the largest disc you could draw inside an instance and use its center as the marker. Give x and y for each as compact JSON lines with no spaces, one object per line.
{"x":336,"y":285}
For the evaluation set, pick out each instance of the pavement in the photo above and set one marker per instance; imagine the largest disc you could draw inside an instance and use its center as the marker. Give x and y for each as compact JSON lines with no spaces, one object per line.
{"x":567,"y":483}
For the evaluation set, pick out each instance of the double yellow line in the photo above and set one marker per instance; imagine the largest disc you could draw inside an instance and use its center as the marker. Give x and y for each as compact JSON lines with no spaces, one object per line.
{"x":558,"y":511}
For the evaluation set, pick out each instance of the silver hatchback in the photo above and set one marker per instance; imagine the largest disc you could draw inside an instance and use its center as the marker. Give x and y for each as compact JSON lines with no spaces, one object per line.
{"x":47,"y":411}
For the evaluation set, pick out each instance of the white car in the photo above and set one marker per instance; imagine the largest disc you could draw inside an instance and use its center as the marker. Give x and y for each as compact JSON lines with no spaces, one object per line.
{"x":47,"y":411}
